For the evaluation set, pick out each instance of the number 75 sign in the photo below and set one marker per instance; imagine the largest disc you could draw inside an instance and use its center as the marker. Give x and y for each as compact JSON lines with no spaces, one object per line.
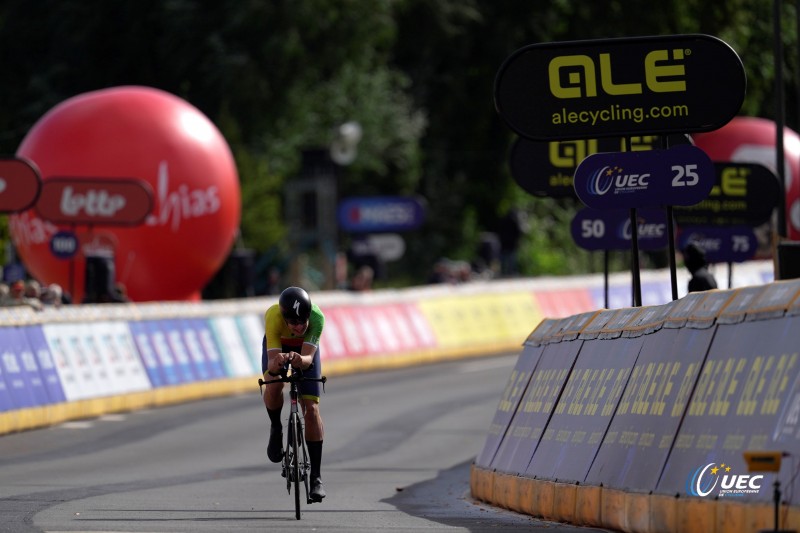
{"x":683,"y":175}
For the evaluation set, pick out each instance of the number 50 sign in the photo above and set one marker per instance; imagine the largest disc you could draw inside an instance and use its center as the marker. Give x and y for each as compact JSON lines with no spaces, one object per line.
{"x":683,"y":175}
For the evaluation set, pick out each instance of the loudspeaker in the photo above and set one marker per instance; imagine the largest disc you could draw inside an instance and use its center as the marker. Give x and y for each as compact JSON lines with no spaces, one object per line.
{"x":788,"y":260}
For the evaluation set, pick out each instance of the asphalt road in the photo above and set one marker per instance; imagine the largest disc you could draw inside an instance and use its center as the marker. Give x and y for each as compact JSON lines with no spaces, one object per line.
{"x":396,"y":458}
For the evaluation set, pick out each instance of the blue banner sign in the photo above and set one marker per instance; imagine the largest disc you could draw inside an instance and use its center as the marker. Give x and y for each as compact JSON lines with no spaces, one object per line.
{"x":610,"y":229}
{"x":734,"y":244}
{"x":682,"y":175}
{"x":376,"y":214}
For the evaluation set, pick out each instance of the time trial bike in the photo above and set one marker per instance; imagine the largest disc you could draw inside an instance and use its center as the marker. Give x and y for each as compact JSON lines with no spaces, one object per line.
{"x":295,"y":465}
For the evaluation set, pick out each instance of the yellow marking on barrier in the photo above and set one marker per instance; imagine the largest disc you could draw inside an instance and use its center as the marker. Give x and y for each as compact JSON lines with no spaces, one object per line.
{"x":481,"y":319}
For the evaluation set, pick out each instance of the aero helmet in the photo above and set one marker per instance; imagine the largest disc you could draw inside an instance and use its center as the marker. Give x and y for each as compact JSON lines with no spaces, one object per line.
{"x":295,"y":304}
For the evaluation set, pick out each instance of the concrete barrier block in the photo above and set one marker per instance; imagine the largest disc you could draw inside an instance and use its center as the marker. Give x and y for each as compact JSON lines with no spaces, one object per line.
{"x":587,"y":505}
{"x":528,"y":487}
{"x":564,"y":503}
{"x":663,"y":514}
{"x":505,"y":491}
{"x":637,"y":511}
{"x":732,"y":517}
{"x":612,"y":509}
{"x":696,"y":515}
{"x":545,"y":498}
{"x":481,"y":483}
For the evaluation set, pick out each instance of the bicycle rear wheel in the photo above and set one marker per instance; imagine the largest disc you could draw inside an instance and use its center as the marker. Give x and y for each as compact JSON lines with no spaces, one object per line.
{"x":295,"y":426}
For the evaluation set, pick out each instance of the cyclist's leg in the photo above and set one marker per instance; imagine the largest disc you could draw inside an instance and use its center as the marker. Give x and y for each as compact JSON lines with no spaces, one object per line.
{"x":273,"y":401}
{"x":273,"y":393}
{"x":310,"y":392}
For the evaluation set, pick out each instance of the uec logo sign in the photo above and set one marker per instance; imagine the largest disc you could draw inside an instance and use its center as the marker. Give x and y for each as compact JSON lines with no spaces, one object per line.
{"x":704,"y":480}
{"x":610,"y":229}
{"x":683,"y":175}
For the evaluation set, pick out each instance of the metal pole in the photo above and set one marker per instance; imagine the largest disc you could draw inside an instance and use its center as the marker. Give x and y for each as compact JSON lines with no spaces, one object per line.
{"x":780,"y":116}
{"x":605,"y":276}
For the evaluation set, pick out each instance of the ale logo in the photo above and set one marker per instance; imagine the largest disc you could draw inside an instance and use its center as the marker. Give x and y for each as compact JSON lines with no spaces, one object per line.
{"x":611,"y":87}
{"x":712,"y":477}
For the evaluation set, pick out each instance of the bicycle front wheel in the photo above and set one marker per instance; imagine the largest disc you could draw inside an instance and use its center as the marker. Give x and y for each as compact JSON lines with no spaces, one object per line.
{"x":296,"y":428}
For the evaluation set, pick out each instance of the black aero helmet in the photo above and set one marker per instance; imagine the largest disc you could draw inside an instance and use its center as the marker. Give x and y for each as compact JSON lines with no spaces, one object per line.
{"x":295,"y":304}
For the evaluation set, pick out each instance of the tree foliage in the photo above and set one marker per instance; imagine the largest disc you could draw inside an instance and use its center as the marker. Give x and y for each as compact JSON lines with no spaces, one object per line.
{"x":277,"y":76}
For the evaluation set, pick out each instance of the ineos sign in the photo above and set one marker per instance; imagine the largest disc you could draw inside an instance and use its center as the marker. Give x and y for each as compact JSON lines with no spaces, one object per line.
{"x":95,"y":201}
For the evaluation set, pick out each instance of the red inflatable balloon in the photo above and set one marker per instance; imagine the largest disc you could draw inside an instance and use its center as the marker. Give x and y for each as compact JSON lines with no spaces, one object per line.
{"x":752,"y":140}
{"x":144,"y":133}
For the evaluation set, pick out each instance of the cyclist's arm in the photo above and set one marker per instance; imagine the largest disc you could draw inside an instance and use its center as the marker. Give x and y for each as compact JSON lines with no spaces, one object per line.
{"x":306,"y":355}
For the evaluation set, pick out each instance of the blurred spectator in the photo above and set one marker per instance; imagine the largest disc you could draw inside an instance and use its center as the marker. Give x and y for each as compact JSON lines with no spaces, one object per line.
{"x":441,"y":272}
{"x":461,"y":271}
{"x":694,"y":257}
{"x":486,"y":264}
{"x":52,"y":295}
{"x":512,"y":227}
{"x":118,"y":294}
{"x":33,"y":289}
{"x":17,"y":296}
{"x":4,"y":293}
{"x":362,"y":279}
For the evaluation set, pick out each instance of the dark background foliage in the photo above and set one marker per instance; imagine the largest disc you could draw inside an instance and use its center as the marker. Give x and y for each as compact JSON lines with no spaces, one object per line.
{"x":277,"y":76}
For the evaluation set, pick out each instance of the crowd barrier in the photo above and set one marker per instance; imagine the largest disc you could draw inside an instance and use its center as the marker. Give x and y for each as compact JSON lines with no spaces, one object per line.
{"x":637,"y":419}
{"x":87,"y":360}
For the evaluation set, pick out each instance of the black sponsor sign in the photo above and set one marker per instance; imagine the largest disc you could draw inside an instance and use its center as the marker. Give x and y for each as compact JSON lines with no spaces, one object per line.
{"x":546,"y":168}
{"x":743,"y":194}
{"x":612,"y":87}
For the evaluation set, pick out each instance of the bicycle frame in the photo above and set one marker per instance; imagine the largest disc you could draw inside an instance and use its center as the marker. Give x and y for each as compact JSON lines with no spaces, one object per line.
{"x":295,"y":465}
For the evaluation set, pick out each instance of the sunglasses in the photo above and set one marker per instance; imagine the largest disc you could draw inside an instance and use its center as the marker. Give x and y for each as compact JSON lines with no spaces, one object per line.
{"x":294,"y":321}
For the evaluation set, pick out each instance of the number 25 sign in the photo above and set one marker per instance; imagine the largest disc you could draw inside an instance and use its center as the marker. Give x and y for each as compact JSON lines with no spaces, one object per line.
{"x":683,"y":175}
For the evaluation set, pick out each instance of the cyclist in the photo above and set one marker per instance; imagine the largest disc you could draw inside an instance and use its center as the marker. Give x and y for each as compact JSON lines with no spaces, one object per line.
{"x":292,"y":330}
